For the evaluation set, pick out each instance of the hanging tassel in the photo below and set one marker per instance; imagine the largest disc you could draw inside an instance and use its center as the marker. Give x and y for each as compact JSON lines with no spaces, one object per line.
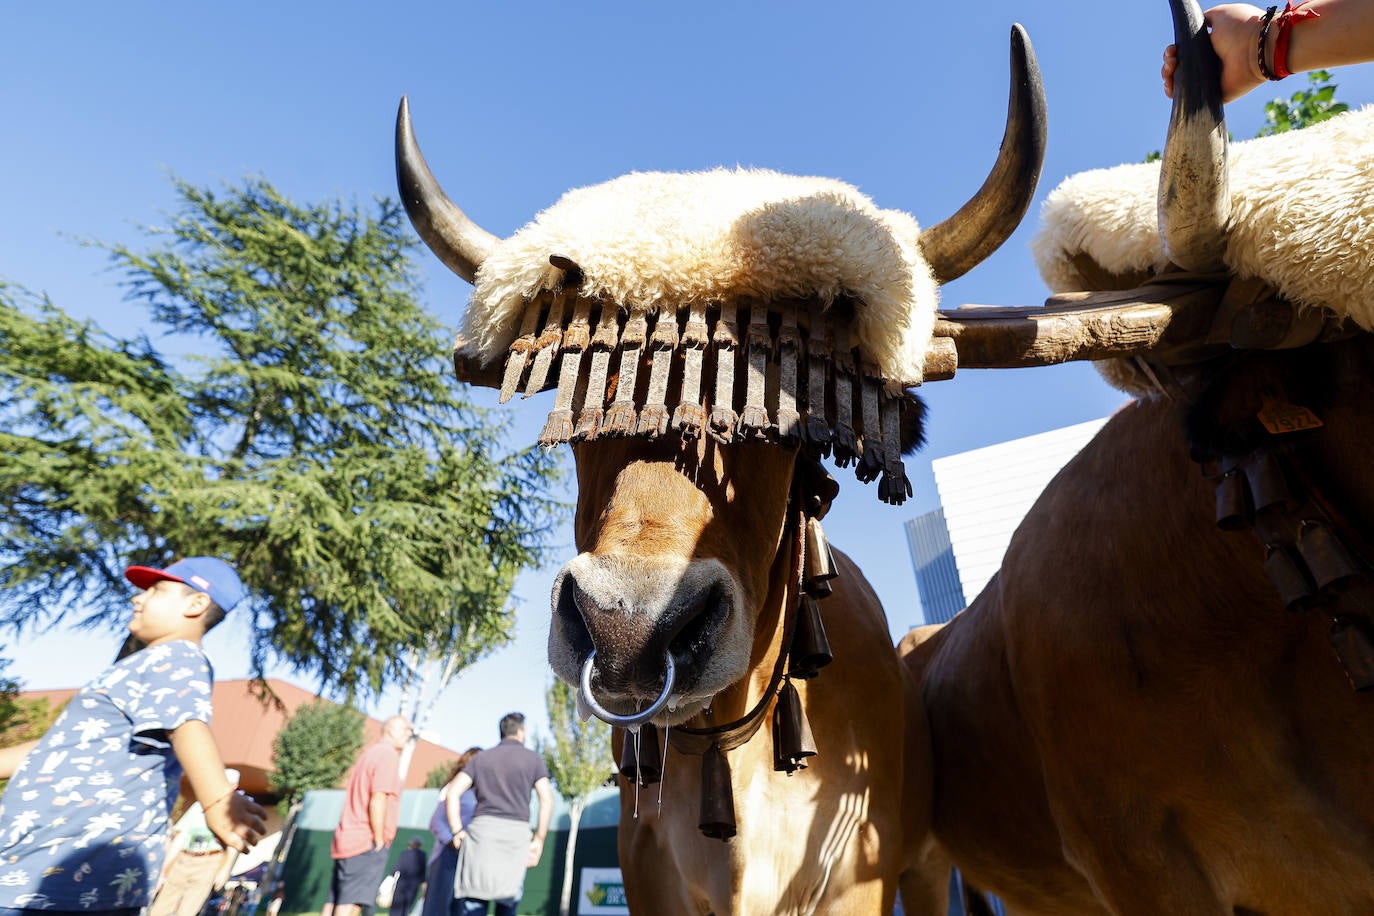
{"x":894,"y":488}
{"x":810,"y":647}
{"x":717,"y":796}
{"x":846,"y":443}
{"x":653,"y":419}
{"x":789,"y":348}
{"x":520,"y":350}
{"x":689,"y":417}
{"x":726,"y":342}
{"x":753,"y":420}
{"x":818,"y":349}
{"x":641,"y":760}
{"x":559,"y":426}
{"x":589,"y":418}
{"x":792,"y":738}
{"x":547,"y":345}
{"x":620,"y":418}
{"x":872,"y":454}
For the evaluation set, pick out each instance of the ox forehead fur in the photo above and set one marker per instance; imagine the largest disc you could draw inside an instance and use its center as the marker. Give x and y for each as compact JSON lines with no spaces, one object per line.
{"x":1302,"y":217}
{"x":649,"y":240}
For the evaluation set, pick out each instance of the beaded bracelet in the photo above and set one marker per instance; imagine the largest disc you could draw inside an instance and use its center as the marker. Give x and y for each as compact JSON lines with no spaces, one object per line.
{"x":1291,"y":15}
{"x":218,"y":800}
{"x":1263,"y":39}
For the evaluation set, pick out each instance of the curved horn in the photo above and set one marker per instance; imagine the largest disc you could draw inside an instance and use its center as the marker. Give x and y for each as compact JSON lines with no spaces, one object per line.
{"x":1194,"y":200}
{"x":956,"y":245}
{"x":458,"y":241}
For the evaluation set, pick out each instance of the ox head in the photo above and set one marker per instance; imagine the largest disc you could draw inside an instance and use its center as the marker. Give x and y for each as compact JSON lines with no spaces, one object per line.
{"x":707,"y":335}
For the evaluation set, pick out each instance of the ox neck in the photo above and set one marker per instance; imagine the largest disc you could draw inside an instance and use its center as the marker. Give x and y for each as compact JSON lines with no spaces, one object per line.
{"x":737,"y":713}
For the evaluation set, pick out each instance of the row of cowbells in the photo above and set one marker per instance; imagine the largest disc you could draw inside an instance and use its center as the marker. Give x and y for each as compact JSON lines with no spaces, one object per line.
{"x":1309,"y":564}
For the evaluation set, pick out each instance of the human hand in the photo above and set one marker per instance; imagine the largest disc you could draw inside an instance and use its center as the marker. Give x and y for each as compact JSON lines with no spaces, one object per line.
{"x":536,"y":850}
{"x":1234,"y":29}
{"x":458,"y":838}
{"x":237,"y":821}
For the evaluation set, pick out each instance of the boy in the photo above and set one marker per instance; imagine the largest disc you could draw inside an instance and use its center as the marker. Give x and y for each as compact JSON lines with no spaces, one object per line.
{"x":84,"y":820}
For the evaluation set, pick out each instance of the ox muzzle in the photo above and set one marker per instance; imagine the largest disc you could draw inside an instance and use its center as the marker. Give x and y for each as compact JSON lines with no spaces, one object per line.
{"x":635,"y":613}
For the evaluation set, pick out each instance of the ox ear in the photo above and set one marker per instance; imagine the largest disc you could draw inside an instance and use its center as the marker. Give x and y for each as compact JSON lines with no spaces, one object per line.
{"x":913,"y":423}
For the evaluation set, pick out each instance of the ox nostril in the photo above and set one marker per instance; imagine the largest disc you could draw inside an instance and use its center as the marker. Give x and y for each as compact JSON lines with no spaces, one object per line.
{"x":572,"y":624}
{"x":698,"y":626}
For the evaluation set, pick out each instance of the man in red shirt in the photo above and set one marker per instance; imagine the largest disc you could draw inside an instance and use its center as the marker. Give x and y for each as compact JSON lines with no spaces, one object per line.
{"x":372,"y":804}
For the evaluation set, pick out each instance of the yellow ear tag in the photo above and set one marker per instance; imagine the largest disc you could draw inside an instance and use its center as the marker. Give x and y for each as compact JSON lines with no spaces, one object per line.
{"x":1281,"y":418}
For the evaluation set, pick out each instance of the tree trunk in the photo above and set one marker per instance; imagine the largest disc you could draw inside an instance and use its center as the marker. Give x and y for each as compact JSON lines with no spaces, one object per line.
{"x":574,"y":815}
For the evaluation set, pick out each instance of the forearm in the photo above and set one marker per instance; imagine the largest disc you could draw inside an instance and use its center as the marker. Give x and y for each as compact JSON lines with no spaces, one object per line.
{"x":11,"y":757}
{"x":545,"y":812}
{"x":1342,"y":33}
{"x":233,"y":817}
{"x":200,"y":758}
{"x":453,"y":812}
{"x":376,"y":818}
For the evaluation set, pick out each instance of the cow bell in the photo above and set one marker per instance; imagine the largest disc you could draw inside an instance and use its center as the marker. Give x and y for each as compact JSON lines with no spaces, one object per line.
{"x":1331,"y":565}
{"x":641,"y":761}
{"x":1290,"y":579}
{"x":820,"y":562}
{"x":717,"y":796}
{"x":810,"y":648}
{"x":1233,"y":502}
{"x":1268,"y":483}
{"x":792,"y":738}
{"x":1352,"y":645}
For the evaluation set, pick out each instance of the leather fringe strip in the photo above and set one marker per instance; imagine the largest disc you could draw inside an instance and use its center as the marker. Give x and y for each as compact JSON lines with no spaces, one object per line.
{"x":792,"y":377}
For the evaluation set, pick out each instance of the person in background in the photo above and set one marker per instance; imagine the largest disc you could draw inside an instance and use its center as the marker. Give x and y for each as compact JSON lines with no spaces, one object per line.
{"x":1259,"y":44}
{"x":197,"y":864}
{"x":372,"y":805}
{"x":496,"y":847}
{"x":410,"y":868}
{"x":443,"y":860}
{"x":85,"y":817}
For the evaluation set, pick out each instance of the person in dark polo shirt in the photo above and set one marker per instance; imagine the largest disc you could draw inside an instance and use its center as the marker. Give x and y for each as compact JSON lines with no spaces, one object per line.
{"x":497,"y":847}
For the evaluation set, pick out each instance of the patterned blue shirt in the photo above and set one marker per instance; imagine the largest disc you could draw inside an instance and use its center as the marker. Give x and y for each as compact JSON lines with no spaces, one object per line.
{"x":83,"y":823}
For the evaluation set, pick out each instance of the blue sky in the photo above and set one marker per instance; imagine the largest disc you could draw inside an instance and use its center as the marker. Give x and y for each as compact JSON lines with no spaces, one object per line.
{"x":515,"y":103}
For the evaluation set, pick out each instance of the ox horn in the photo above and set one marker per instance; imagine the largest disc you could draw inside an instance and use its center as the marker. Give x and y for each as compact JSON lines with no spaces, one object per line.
{"x":958,"y":244}
{"x":450,"y":234}
{"x":1194,"y":200}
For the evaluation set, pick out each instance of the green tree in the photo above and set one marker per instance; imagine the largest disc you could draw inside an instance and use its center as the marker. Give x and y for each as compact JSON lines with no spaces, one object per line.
{"x":302,"y":421}
{"x":1303,"y":108}
{"x":10,"y":709}
{"x":437,"y":777}
{"x":315,"y":749}
{"x":579,"y":759}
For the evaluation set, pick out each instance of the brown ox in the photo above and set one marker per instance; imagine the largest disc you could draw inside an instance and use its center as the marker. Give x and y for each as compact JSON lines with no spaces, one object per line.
{"x":1150,"y":709}
{"x":690,"y":546}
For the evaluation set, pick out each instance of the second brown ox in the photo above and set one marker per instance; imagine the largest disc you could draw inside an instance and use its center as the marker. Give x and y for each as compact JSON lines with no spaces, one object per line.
{"x":1161,"y":703}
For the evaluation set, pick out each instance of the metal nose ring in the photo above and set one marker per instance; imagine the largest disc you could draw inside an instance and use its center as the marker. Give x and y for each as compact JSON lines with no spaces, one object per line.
{"x":639,"y":718}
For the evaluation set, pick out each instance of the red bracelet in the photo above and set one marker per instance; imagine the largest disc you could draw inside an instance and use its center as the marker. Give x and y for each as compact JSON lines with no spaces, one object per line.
{"x":1286,"y":19}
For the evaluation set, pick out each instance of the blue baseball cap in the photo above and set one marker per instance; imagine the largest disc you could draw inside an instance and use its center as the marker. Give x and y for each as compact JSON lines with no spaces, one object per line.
{"x":210,"y":575}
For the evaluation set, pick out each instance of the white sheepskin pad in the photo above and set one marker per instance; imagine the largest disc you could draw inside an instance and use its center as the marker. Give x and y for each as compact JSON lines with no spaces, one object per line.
{"x":1302,"y":217}
{"x":652,"y":240}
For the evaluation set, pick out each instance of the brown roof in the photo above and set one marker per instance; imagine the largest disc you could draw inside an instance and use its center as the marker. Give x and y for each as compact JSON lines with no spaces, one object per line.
{"x":244,"y":727}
